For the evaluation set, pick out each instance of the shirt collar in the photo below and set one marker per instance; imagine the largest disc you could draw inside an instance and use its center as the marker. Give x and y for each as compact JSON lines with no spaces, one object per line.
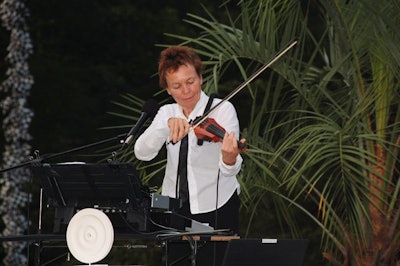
{"x":199,"y":108}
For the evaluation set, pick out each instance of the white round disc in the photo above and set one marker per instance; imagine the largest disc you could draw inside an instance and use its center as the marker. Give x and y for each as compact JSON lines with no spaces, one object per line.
{"x":90,"y":235}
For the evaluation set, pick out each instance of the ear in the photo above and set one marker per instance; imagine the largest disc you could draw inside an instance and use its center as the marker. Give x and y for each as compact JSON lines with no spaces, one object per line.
{"x":201,"y":80}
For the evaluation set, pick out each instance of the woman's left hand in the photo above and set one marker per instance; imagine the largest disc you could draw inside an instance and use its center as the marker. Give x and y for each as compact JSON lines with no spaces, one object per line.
{"x":230,"y":148}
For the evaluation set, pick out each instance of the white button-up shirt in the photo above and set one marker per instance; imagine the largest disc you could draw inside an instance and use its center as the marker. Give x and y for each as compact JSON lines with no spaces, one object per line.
{"x":204,"y":161}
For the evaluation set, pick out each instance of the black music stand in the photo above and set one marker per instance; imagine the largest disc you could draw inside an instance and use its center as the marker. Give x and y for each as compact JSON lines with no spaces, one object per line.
{"x":112,"y":187}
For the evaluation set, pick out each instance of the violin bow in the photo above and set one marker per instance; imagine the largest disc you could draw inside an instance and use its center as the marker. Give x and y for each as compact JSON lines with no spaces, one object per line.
{"x":246,"y":82}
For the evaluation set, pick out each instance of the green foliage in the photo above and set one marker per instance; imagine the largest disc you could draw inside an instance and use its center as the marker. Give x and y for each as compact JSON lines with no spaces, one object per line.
{"x":323,"y":126}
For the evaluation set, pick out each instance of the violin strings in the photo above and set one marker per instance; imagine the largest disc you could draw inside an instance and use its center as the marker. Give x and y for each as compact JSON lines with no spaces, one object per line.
{"x":216,"y":130}
{"x":221,"y":133}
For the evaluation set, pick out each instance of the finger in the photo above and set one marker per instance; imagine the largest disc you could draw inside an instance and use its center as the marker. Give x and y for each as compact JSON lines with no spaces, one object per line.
{"x":228,"y":143}
{"x":180,"y":129}
{"x":187,"y":127}
{"x":172,"y":124}
{"x":183,"y":128}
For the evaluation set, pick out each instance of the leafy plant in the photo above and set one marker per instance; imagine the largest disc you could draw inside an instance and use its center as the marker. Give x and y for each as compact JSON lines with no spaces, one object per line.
{"x":323,"y":126}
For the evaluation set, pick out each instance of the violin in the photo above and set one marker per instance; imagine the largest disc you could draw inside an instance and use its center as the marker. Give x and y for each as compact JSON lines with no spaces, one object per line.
{"x":210,"y":130}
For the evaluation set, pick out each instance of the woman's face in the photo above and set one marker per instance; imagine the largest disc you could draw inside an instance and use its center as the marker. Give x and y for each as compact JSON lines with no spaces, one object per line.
{"x":184,"y":85}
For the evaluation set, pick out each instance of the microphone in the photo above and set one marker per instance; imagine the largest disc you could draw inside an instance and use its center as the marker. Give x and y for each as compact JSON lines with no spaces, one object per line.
{"x":149,"y":110}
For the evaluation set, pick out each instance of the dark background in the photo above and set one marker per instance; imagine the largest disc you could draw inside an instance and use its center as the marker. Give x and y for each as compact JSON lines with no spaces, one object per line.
{"x":88,"y":53}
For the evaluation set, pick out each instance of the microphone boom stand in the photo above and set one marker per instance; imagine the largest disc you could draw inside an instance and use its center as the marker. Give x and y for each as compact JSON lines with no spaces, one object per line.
{"x":39,"y":159}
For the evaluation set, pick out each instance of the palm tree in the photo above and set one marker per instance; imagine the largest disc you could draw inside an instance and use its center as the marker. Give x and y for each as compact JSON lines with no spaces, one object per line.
{"x":323,"y":129}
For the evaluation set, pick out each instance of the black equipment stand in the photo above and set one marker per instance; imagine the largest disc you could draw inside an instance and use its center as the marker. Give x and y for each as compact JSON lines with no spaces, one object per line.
{"x":111,"y":187}
{"x":53,"y":187}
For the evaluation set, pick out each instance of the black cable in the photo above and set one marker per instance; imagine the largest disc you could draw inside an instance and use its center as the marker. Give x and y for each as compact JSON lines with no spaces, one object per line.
{"x":216,"y":218}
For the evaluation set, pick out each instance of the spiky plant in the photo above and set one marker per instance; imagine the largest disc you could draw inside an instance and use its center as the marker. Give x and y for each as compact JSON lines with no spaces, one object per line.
{"x":323,"y":127}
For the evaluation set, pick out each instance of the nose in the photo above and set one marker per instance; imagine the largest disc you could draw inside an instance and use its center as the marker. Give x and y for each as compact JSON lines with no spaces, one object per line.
{"x":186,"y":88}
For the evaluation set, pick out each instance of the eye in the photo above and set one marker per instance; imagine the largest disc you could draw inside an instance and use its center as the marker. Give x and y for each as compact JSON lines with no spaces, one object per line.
{"x":176,"y":86}
{"x":190,"y":81}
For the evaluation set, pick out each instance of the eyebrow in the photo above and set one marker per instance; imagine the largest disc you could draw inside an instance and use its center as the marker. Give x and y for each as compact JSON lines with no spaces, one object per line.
{"x":188,"y":79}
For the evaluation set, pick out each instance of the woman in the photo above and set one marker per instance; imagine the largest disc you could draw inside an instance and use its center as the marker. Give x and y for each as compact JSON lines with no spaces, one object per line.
{"x":211,"y":167}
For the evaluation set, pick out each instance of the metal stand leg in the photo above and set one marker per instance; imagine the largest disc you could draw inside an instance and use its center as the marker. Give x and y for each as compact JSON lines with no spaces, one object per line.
{"x":184,"y":255}
{"x":39,"y":242}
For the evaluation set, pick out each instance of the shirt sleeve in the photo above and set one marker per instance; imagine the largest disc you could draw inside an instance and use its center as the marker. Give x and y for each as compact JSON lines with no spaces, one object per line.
{"x":154,"y":137}
{"x":229,"y":170}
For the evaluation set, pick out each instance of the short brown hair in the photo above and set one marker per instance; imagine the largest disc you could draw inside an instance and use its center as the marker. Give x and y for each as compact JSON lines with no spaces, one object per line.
{"x":175,"y":56}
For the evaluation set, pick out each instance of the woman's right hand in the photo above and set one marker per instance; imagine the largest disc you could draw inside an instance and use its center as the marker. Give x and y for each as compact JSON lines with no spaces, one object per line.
{"x":178,"y":129}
